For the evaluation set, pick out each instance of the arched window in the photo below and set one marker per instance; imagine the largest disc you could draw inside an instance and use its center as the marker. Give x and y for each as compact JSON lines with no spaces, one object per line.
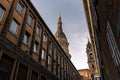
{"x":91,"y":57}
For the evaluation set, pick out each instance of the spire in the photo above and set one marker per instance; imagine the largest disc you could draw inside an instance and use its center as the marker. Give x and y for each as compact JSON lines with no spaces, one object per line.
{"x":61,"y":37}
{"x":59,"y":22}
{"x":59,"y":14}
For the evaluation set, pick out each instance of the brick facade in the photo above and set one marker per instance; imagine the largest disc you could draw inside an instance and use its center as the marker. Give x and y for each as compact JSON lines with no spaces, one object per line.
{"x":104,"y":32}
{"x":28,"y":49}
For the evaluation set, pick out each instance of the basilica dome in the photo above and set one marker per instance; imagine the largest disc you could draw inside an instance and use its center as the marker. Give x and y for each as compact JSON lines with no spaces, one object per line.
{"x":61,"y":37}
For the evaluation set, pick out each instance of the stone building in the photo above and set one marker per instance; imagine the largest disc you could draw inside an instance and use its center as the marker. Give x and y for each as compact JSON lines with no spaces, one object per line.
{"x":88,"y":74}
{"x":90,"y":56}
{"x":91,"y":60}
{"x":28,"y":49}
{"x":85,"y":74}
{"x":103,"y":19}
{"x":61,"y":37}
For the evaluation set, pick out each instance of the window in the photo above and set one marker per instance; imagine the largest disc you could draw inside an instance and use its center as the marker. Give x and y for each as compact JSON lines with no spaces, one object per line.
{"x":64,"y":65}
{"x":67,"y":66}
{"x":61,"y":59}
{"x":64,"y":75}
{"x":29,"y":20}
{"x":6,"y":65}
{"x":43,"y":55}
{"x":97,"y":78}
{"x":49,"y":60}
{"x":43,"y":78}
{"x":35,"y":49}
{"x":92,"y":66}
{"x":54,"y":49}
{"x":19,"y":8}
{"x":113,"y":46}
{"x":58,"y":66}
{"x":34,"y":76}
{"x":2,"y":11}
{"x":26,"y":38}
{"x":37,"y":30}
{"x":91,"y":57}
{"x":118,"y":22}
{"x":14,"y":27}
{"x":58,"y":56}
{"x":22,"y":73}
{"x":50,"y":44}
{"x":54,"y":65}
{"x":54,"y":54}
{"x":61,"y":73}
{"x":44,"y":38}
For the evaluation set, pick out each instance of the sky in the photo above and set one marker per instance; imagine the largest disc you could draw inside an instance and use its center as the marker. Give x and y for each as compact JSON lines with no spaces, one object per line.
{"x":73,"y":23}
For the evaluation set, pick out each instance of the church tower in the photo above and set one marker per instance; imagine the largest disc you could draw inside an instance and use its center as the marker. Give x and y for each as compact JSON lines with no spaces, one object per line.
{"x":90,"y":55}
{"x":61,"y":37}
{"x":91,"y":60}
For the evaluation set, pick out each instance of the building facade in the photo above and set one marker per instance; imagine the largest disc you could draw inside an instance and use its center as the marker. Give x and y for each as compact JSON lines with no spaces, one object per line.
{"x":103,"y":19}
{"x":28,"y":49}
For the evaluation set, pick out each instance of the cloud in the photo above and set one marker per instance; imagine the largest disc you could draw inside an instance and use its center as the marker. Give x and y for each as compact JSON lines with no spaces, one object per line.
{"x":78,"y":50}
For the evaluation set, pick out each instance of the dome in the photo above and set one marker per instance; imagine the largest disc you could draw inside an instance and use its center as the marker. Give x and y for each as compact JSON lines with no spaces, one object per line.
{"x":61,"y":37}
{"x":60,"y":34}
